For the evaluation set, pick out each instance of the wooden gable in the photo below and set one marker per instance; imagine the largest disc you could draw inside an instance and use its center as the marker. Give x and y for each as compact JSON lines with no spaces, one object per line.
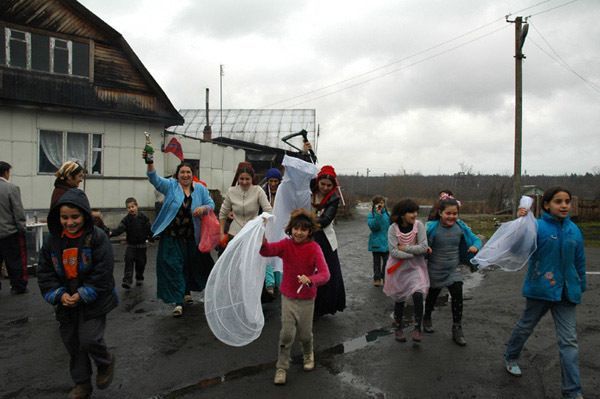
{"x":113,"y":82}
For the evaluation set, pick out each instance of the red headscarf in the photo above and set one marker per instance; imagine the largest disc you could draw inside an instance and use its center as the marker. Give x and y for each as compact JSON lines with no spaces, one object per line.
{"x":326,"y":172}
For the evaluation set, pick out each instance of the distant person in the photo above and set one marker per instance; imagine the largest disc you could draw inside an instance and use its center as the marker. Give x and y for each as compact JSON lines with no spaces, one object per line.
{"x":273,"y":180}
{"x":98,"y":220}
{"x":180,"y":266}
{"x":137,"y":227}
{"x":75,"y":275}
{"x":331,"y":297}
{"x":555,"y":282}
{"x":68,"y":176}
{"x":378,"y":221}
{"x":452,"y":242}
{"x":13,"y":250}
{"x":406,"y":269}
{"x":304,"y":269}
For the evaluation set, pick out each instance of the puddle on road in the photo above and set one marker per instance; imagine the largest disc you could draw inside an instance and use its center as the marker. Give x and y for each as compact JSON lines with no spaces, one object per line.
{"x":323,"y":356}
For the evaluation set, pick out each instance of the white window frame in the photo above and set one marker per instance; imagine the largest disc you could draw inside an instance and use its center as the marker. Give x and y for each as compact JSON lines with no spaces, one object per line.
{"x":8,"y":38}
{"x":53,"y":41}
{"x":90,"y":149}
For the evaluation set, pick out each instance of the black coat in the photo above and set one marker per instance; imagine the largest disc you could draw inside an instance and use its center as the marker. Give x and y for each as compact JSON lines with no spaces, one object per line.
{"x":94,"y":282}
{"x":137,"y":228}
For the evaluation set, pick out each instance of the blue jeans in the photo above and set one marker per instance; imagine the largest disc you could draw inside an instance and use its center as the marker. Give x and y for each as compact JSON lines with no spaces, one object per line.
{"x":563,"y":314}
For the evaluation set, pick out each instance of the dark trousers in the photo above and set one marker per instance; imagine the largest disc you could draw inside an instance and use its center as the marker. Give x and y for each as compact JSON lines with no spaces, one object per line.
{"x":417,"y":298}
{"x":137,"y":257}
{"x":14,"y":253}
{"x":379,"y":261}
{"x":84,"y":339}
{"x":456,"y":293}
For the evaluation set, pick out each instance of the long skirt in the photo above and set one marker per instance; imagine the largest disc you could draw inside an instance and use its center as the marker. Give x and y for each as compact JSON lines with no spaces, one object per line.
{"x":180,"y":267}
{"x":331,"y":297}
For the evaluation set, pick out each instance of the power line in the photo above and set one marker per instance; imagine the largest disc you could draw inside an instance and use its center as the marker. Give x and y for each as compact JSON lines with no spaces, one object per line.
{"x":556,"y":57}
{"x":553,"y":8}
{"x":406,"y":58}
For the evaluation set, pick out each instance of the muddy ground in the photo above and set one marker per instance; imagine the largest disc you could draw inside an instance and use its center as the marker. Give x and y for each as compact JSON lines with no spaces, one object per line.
{"x":159,"y":356}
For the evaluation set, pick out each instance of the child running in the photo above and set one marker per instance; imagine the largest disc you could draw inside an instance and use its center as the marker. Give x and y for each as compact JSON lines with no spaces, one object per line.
{"x":75,"y":274}
{"x":555,"y":282}
{"x":379,"y":223}
{"x":137,"y":227}
{"x":406,"y":269}
{"x":304,"y":269}
{"x":452,"y":242}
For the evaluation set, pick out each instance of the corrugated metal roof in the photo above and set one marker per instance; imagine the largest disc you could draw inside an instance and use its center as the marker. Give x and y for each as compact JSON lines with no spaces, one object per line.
{"x":258,"y":126}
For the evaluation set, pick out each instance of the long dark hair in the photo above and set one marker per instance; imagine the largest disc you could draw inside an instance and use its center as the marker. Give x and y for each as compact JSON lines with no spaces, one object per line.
{"x":550,"y":193}
{"x":402,"y":208}
{"x":443,"y":204}
{"x":244,"y":167}
{"x":302,"y":218}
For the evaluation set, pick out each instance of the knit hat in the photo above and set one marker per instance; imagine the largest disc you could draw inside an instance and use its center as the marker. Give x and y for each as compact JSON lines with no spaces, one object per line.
{"x":273,"y":173}
{"x":327,"y":172}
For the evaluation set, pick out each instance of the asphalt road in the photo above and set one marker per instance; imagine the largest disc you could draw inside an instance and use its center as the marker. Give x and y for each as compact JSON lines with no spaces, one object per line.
{"x":159,"y":356}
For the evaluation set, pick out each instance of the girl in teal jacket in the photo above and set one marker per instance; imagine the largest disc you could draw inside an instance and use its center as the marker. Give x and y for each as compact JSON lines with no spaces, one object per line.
{"x":554,"y":282}
{"x":379,"y":223}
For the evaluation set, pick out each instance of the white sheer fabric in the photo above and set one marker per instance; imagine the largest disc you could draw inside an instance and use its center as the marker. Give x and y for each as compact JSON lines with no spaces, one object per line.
{"x":511,"y":246}
{"x":51,"y":145}
{"x":77,"y":147}
{"x":232,"y":294}
{"x":292,"y":193}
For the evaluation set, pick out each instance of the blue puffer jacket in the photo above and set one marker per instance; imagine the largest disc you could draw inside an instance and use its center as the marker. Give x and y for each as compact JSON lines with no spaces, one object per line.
{"x":173,"y":199}
{"x":558,"y":263}
{"x":379,"y":223}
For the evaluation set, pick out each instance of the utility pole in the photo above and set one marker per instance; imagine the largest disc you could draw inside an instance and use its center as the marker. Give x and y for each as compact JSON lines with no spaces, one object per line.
{"x":368,"y":170}
{"x":521,"y":28}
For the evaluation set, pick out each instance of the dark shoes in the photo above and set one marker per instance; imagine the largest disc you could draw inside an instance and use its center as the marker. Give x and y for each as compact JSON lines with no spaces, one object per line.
{"x":416,"y":335}
{"x":399,"y":335}
{"x":126,"y":284}
{"x":105,"y":374}
{"x":81,"y":391}
{"x":138,"y":282}
{"x":458,"y":336}
{"x":428,"y":326}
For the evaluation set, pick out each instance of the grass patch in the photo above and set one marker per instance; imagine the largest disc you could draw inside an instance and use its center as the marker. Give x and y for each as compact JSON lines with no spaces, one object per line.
{"x":486,"y":225}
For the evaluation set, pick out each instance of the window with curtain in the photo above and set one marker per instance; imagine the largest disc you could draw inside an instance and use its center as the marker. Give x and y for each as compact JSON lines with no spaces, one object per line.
{"x":56,"y":147}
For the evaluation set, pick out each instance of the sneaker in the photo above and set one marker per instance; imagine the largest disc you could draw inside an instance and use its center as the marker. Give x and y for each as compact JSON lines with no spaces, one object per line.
{"x":81,"y":391}
{"x":376,"y":283}
{"x":309,"y":361}
{"x":178,"y":311}
{"x":399,"y":335}
{"x":188,"y":299}
{"x":512,"y":367}
{"x":458,"y":336}
{"x":126,"y":285}
{"x":105,"y":374}
{"x":428,"y":326}
{"x":280,"y":376}
{"x":270,"y":291}
{"x":416,"y":335}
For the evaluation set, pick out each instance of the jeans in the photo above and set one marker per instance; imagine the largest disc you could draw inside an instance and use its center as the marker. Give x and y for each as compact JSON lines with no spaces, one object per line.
{"x":563,"y":314}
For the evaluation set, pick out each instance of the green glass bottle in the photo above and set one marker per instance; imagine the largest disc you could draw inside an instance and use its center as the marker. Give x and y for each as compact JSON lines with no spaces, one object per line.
{"x":149,"y":158}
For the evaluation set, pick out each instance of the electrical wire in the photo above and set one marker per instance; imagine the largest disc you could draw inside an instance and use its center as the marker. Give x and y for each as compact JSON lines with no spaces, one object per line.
{"x":553,"y":8}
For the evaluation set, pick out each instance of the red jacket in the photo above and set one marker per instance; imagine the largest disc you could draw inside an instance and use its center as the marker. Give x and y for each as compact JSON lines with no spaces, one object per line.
{"x":298,"y":259}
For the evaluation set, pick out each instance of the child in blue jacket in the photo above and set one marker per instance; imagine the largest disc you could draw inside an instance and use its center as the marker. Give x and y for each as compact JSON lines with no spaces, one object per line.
{"x":555,"y":282}
{"x":379,"y":223}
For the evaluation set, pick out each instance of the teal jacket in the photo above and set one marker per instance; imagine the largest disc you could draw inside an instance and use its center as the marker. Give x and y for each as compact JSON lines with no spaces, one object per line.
{"x":468,"y":239}
{"x":173,"y":199}
{"x":557,"y":267}
{"x":379,"y":225}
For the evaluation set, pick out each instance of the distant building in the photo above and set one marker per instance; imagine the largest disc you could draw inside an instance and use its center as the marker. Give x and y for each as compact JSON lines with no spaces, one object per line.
{"x":257,"y":131}
{"x":71,"y":88}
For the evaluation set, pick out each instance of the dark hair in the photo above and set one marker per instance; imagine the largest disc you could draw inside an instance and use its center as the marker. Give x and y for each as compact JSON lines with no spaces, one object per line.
{"x":129,"y":200}
{"x":181,"y":165}
{"x":550,"y":193}
{"x":443,"y":204}
{"x":4,"y":167}
{"x":302,"y":218}
{"x":244,"y":167}
{"x":447,"y":192}
{"x":402,"y":208}
{"x":376,"y":200}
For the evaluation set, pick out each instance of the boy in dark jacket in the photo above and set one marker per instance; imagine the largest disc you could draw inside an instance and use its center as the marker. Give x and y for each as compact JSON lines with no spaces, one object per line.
{"x":75,"y":275}
{"x":137,"y":226}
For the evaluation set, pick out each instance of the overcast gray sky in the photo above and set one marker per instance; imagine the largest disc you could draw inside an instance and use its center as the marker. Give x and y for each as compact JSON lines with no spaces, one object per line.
{"x":413,"y":86}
